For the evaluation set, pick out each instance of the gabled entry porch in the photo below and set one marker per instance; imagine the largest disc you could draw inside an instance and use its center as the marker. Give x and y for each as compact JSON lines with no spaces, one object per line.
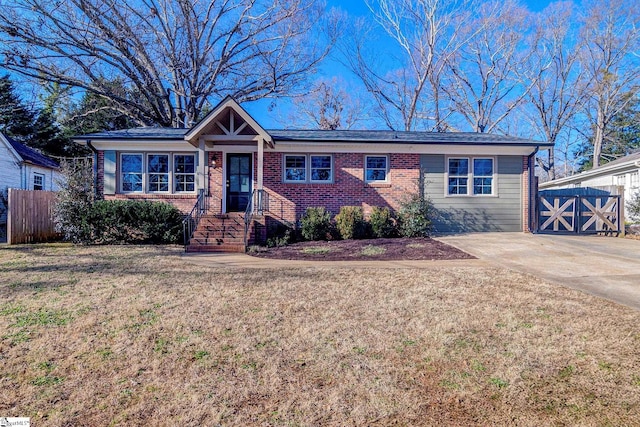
{"x":229,"y":179}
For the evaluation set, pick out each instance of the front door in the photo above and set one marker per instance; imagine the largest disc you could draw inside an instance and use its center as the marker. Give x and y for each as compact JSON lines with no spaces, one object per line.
{"x":238,"y":182}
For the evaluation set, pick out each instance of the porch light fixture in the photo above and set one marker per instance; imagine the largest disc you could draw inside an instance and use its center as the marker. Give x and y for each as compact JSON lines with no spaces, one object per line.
{"x":214,"y":160}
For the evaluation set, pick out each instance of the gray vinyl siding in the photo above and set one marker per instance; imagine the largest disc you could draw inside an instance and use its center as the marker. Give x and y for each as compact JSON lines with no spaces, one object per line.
{"x":459,"y":214}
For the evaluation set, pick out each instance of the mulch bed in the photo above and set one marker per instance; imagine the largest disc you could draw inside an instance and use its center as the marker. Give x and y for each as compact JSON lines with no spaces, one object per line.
{"x":365,"y":249}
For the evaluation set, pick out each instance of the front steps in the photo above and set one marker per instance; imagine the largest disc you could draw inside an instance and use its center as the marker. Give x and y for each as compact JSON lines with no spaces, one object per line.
{"x":219,"y":233}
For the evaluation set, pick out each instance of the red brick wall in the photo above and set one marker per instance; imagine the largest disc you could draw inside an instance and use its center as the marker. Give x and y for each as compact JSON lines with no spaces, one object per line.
{"x":216,"y":181}
{"x":288,"y":201}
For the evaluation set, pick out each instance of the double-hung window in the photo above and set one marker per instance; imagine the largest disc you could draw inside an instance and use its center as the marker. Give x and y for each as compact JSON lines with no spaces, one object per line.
{"x":458,"y":176}
{"x":320,"y":168}
{"x":38,"y":181}
{"x":482,"y":176}
{"x":470,"y":176}
{"x":295,"y":168}
{"x":314,"y":168}
{"x":184,"y":173}
{"x":376,"y":169}
{"x":132,"y":171}
{"x":158,"y":172}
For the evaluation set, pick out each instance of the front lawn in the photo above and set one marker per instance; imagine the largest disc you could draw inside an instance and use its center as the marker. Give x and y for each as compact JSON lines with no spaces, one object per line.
{"x":140,"y":336}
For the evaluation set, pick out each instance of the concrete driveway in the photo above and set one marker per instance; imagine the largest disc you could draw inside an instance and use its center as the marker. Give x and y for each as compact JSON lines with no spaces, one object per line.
{"x":608,"y":267}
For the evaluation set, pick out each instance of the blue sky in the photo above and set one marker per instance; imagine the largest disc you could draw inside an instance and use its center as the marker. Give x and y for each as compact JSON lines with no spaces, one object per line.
{"x":331,"y":67}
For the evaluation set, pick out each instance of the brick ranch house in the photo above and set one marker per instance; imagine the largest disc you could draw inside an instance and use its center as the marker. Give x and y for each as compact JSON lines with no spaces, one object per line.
{"x":476,"y":182}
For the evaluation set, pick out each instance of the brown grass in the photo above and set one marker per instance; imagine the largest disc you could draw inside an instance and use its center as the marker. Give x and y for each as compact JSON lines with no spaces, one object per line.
{"x":139,"y":336}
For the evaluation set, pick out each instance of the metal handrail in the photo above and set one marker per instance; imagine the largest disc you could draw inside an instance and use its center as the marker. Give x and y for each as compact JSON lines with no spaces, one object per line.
{"x":192,"y":219}
{"x":251,"y":209}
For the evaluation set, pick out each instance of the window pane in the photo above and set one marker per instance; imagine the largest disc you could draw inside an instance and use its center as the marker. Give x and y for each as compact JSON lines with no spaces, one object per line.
{"x":376,"y":162}
{"x":158,"y":163}
{"x":376,"y":175}
{"x":131,"y":172}
{"x":295,"y":175}
{"x":376,"y":168}
{"x":483,"y":167}
{"x":132,"y":182}
{"x":158,"y":172}
{"x":184,"y":168}
{"x":320,"y":161}
{"x":458,"y":166}
{"x":132,"y":163}
{"x":458,"y":186}
{"x":321,"y":168}
{"x":184,"y":164}
{"x":244,"y":166}
{"x":295,"y":161}
{"x":295,"y":168}
{"x":38,"y":182}
{"x":482,"y":185}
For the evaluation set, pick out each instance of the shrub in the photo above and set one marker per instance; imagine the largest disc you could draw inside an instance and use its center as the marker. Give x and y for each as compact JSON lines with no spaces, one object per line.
{"x":316,"y":224}
{"x":633,"y":207}
{"x":281,"y":235}
{"x":135,"y":222}
{"x":350,"y":223}
{"x":74,"y":201}
{"x":382,"y":223}
{"x":414,"y":217}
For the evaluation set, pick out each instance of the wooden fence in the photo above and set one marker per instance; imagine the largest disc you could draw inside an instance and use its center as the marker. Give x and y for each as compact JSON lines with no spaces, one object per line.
{"x":29,"y":216}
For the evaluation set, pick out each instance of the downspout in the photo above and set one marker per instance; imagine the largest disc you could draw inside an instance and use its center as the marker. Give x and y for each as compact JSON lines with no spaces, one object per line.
{"x":94,"y":168}
{"x":532,"y":197}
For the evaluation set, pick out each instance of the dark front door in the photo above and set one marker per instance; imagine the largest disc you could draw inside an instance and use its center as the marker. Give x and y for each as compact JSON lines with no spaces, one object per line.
{"x":238,"y":182}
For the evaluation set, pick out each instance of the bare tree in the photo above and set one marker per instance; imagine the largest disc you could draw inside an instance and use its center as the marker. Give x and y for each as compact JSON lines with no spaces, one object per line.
{"x":483,"y":82}
{"x":174,"y":55}
{"x":611,"y":36}
{"x":424,"y":34}
{"x":558,"y":90}
{"x":329,"y":106}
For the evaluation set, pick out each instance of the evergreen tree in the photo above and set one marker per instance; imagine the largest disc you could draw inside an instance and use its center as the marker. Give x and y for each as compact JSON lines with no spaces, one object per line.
{"x":622,"y":138}
{"x":16,"y":119}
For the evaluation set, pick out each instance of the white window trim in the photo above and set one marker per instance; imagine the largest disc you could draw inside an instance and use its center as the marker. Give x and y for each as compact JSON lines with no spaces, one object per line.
{"x":470,"y":176}
{"x":169,"y":173}
{"x":121,"y":172}
{"x":173,"y":173}
{"x":307,"y":168}
{"x":33,"y":182}
{"x":386,"y":175}
{"x":145,"y":172}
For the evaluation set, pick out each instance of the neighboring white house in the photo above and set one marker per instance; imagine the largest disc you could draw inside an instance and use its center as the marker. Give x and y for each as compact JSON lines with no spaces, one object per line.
{"x":624,"y":171}
{"x":25,"y":168}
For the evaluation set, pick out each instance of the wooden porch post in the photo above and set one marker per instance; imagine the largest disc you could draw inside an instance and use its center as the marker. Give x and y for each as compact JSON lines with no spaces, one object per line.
{"x":260,"y":163}
{"x":202,"y":166}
